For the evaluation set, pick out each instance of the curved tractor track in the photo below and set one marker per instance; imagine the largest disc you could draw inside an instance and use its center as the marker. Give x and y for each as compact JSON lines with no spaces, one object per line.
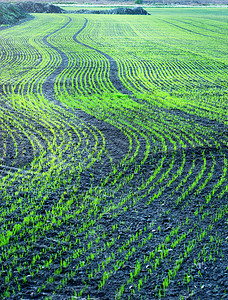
{"x":48,"y":85}
{"x":113,"y":158}
{"x":113,"y":72}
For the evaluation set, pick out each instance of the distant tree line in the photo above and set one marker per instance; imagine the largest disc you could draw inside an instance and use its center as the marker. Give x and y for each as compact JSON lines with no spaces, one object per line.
{"x":186,"y":2}
{"x":180,"y":2}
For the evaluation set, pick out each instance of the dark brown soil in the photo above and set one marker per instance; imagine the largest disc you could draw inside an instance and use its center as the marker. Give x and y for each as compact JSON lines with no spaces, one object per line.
{"x":160,"y":217}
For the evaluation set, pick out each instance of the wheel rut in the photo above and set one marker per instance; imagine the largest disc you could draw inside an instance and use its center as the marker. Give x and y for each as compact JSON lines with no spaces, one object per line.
{"x":113,"y":75}
{"x":48,"y":85}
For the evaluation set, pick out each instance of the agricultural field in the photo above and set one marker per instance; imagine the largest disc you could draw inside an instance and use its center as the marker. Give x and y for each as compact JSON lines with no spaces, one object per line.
{"x":114,"y":149}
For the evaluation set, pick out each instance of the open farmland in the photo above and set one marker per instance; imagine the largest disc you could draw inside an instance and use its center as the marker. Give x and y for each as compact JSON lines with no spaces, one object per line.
{"x":114,"y":149}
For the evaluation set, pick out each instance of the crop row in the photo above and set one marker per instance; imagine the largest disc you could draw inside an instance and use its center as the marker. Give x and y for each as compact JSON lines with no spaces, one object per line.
{"x":109,"y":186}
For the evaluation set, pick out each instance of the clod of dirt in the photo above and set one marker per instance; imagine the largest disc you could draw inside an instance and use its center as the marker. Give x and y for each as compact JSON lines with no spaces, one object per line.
{"x":32,"y":7}
{"x":115,"y":11}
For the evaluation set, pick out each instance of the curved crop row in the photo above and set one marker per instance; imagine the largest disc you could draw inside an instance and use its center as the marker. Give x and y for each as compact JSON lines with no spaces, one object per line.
{"x":113,"y":157}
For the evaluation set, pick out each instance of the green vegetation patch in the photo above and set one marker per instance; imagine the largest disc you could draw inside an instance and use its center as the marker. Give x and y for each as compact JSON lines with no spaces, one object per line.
{"x":114,"y":156}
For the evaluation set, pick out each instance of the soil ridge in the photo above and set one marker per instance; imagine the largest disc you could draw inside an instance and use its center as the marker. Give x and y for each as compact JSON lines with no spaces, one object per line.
{"x":114,"y":11}
{"x":11,"y":14}
{"x":36,"y":7}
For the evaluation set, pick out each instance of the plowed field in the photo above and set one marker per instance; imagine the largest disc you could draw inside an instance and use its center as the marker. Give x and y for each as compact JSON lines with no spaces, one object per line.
{"x":113,"y":156}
